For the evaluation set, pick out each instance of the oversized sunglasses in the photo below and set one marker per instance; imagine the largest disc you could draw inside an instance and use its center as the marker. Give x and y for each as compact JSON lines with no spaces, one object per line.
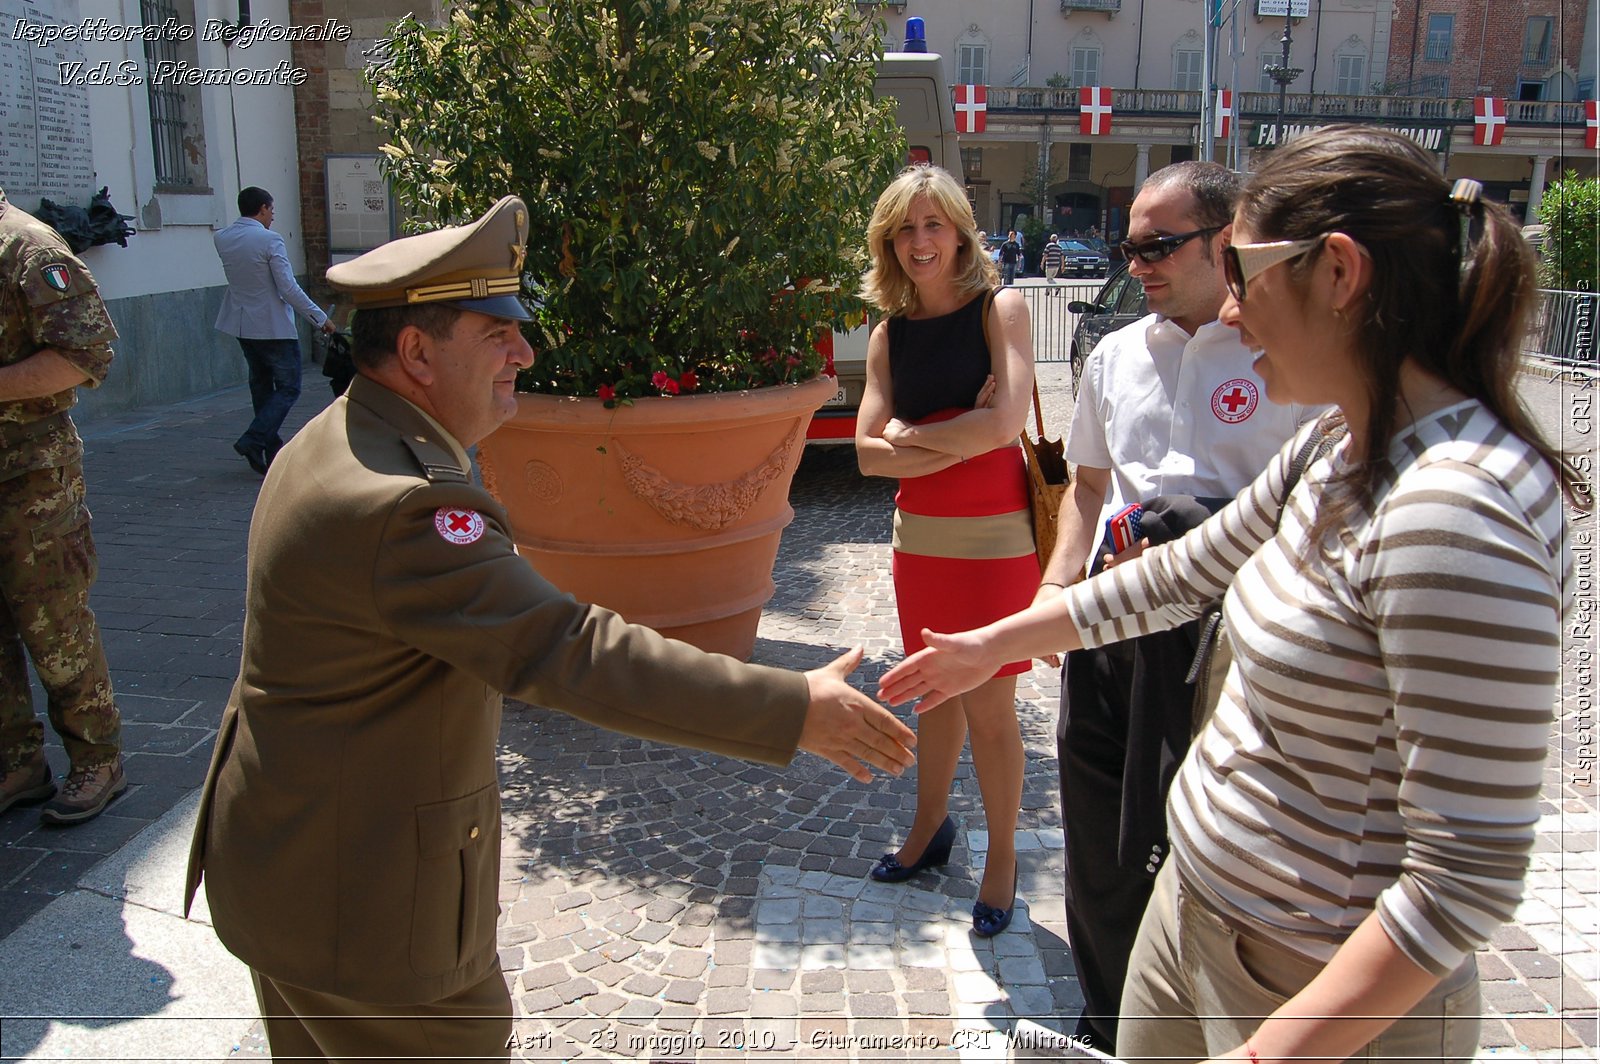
{"x":1158,"y":248}
{"x":1240,"y":262}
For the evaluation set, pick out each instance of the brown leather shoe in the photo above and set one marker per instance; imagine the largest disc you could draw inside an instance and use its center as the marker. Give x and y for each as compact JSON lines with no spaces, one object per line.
{"x":27,"y":784}
{"x":88,"y":790}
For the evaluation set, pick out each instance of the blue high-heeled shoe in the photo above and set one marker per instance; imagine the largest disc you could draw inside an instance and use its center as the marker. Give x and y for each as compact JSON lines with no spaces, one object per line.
{"x":936,"y":855}
{"x":987,"y":921}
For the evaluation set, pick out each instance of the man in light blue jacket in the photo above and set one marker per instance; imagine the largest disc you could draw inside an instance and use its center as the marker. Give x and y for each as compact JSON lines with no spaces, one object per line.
{"x":257,"y":310}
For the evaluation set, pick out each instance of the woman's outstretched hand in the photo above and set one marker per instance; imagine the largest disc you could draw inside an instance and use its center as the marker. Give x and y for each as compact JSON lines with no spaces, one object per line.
{"x":948,"y":666}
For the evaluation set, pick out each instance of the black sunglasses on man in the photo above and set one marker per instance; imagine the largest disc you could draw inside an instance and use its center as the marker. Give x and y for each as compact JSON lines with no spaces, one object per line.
{"x":1157,"y":248}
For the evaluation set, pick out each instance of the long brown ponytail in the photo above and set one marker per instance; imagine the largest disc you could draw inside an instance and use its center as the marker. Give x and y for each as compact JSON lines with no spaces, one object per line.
{"x":1453,"y":283}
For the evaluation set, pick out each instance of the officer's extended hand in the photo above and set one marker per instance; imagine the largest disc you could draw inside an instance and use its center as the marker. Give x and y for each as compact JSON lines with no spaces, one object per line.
{"x":850,"y":729}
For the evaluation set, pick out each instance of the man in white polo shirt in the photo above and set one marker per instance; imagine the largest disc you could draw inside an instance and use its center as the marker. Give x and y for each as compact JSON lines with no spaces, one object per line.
{"x":1168,"y":406}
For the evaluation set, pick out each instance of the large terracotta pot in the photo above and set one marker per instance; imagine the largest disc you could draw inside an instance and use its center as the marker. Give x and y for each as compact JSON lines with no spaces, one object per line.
{"x":668,"y":511}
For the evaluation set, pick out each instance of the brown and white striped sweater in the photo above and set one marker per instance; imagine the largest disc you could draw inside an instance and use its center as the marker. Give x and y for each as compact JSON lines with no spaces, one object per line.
{"x":1381,"y":736}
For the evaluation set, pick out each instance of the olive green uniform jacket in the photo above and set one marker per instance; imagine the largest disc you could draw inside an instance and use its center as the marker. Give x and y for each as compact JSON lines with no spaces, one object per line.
{"x":349,"y":828}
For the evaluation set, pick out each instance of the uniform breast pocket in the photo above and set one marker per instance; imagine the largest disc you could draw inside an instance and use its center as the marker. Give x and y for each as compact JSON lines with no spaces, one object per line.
{"x":457,"y":886}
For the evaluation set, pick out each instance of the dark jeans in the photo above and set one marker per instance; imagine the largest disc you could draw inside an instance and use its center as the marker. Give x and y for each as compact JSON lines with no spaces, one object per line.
{"x":1008,"y":272}
{"x":274,"y":387}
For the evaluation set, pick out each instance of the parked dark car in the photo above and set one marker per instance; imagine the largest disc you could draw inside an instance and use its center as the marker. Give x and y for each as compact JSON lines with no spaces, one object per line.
{"x":1081,"y":260}
{"x":1119,"y":302}
{"x":1111,"y":253}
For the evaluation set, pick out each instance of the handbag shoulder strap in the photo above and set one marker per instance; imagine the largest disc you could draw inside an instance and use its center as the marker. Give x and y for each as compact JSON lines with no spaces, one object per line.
{"x":1038,"y":408}
{"x":1308,"y":453}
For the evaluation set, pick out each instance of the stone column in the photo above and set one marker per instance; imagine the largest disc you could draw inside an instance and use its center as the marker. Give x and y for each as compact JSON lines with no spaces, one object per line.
{"x":1536,"y":187}
{"x":1141,"y":167}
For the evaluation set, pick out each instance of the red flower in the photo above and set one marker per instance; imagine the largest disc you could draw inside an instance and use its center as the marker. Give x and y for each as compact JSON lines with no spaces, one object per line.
{"x":670,"y":388}
{"x":607,"y":392}
{"x":659,"y":380}
{"x":689,"y":381}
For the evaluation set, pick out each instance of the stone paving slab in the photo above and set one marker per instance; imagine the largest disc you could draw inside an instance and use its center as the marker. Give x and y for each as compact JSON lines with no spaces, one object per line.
{"x":667,"y":905}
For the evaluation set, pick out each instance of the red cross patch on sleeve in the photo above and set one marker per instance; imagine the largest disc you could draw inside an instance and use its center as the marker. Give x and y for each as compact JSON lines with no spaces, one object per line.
{"x":458,"y":526}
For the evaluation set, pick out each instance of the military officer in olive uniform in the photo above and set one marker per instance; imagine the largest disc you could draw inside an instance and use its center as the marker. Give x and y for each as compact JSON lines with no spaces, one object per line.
{"x":55,"y":337}
{"x":349,"y":831}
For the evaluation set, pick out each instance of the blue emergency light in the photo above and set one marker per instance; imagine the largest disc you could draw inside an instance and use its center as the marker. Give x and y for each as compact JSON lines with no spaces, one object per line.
{"x":916,"y":36}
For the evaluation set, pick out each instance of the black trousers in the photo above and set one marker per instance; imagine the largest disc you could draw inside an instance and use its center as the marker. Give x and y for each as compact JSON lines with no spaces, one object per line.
{"x":1125,"y":728}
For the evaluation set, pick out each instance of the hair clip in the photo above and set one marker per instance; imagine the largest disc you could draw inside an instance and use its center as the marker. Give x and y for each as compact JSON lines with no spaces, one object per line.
{"x":1467,"y":196}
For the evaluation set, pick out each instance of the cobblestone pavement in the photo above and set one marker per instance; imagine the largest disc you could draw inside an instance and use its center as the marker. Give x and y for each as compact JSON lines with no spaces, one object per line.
{"x":669,"y":905}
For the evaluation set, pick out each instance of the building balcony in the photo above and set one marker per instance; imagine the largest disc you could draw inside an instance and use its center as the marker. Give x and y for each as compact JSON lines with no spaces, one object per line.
{"x":1110,"y":7}
{"x":1165,"y":103}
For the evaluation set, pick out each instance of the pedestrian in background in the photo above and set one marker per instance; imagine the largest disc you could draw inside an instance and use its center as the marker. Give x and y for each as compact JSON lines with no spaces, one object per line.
{"x":1355,"y":820}
{"x":258,"y":309}
{"x":349,"y":826}
{"x":949,"y":376}
{"x":1052,"y":259}
{"x":55,"y":337}
{"x":1010,"y":257}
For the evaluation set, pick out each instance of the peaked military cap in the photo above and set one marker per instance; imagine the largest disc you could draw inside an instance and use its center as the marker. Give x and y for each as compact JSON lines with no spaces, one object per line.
{"x":475,"y":267}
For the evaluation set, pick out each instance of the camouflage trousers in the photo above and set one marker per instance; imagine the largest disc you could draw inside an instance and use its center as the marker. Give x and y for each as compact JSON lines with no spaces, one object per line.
{"x":47,"y":563}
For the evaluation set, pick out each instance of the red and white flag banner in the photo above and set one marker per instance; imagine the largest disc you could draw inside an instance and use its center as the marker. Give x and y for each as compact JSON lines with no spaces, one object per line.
{"x":1094,"y":110}
{"x":972,"y":108}
{"x":1224,"y":123}
{"x":1488,"y":120}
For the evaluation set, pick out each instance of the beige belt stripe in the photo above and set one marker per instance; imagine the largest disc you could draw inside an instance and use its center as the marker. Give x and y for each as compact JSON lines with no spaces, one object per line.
{"x":993,"y":536}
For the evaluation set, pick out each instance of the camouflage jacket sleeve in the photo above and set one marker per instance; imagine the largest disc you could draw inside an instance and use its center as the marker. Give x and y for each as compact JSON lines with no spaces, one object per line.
{"x":64,"y":310}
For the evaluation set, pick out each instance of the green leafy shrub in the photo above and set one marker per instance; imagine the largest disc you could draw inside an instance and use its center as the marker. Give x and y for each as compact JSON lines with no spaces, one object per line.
{"x":1570,"y":212}
{"x":698,"y":174}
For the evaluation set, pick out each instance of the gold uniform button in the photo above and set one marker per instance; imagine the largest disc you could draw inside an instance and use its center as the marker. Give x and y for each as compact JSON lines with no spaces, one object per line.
{"x":472,"y":834}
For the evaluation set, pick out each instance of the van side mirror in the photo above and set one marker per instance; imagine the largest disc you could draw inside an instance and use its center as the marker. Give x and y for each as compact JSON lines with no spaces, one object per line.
{"x":1078,"y":306}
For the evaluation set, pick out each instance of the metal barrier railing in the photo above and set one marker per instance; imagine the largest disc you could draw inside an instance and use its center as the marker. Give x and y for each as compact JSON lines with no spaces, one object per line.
{"x":1052,"y":321}
{"x":1562,"y":337}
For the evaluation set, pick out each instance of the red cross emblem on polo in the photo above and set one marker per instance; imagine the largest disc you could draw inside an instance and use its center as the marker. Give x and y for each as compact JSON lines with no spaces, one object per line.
{"x":1235,"y":400}
{"x":458,"y":526}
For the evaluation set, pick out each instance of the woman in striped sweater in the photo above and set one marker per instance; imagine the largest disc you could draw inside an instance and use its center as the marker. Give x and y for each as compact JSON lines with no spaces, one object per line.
{"x":1355,"y":819}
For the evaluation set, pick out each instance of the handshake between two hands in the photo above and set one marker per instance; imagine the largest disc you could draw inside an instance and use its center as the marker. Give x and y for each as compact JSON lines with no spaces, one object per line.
{"x":848,"y":728}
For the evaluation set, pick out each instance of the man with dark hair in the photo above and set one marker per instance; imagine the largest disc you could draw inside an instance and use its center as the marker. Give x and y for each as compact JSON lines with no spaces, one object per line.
{"x":1168,"y":406}
{"x":1010,"y":257}
{"x":258,"y":309}
{"x":349,"y":828}
{"x":55,"y":337}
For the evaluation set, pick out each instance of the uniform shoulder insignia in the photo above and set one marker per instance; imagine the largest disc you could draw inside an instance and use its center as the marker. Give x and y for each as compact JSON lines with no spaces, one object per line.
{"x":458,"y":525}
{"x":437,"y":461}
{"x":58,"y":275}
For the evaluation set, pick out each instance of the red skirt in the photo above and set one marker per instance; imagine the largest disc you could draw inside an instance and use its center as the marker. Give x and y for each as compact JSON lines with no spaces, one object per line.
{"x":963,"y":547}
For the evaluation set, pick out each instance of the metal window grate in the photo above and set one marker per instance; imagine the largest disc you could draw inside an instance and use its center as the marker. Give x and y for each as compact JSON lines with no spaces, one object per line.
{"x":1441,"y":32}
{"x":1536,"y":42}
{"x":167,"y":125}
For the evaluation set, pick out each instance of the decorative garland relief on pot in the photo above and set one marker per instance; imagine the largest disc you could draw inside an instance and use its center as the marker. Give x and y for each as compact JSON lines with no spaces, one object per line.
{"x":704,"y":506}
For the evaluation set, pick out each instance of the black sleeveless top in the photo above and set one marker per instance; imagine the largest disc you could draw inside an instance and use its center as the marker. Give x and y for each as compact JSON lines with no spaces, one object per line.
{"x":937,"y":363}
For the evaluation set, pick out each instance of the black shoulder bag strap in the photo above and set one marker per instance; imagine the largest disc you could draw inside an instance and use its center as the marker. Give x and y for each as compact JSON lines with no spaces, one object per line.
{"x":1214,"y":653}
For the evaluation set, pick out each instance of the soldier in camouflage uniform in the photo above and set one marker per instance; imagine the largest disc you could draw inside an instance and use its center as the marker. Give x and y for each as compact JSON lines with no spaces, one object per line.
{"x":54,"y":338}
